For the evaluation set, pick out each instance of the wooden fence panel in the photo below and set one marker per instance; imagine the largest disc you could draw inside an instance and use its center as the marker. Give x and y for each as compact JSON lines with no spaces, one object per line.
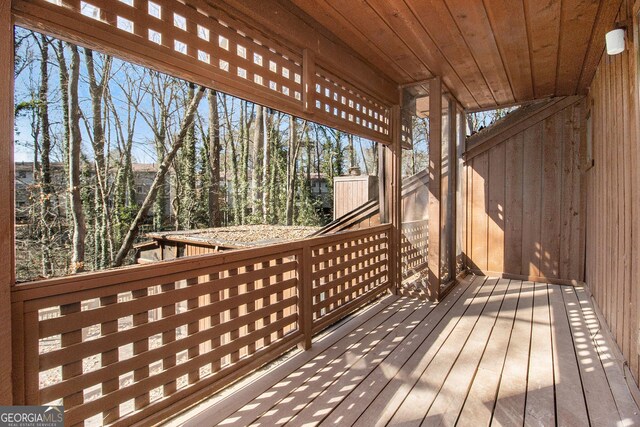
{"x":346,"y":273}
{"x":142,"y":346}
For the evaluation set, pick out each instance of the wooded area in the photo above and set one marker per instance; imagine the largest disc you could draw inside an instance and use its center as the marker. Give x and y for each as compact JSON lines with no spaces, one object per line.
{"x":218,"y":160}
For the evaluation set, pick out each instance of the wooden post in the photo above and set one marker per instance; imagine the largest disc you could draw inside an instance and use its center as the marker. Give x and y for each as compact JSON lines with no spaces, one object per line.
{"x":453,"y":185}
{"x":305,"y":297}
{"x":7,"y":254}
{"x":435,"y":196}
{"x":392,"y":188}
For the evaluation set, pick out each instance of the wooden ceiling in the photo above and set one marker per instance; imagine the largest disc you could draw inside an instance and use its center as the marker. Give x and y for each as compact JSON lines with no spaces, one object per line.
{"x":488,"y":53}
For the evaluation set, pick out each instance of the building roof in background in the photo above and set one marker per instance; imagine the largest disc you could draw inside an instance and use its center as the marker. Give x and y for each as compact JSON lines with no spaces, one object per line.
{"x":239,"y":236}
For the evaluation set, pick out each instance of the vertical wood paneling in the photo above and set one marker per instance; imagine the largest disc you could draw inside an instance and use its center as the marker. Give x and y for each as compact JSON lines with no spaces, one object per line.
{"x":532,"y":207}
{"x":524,"y":198}
{"x":552,"y":138}
{"x":514,"y":204}
{"x":6,"y":197}
{"x":479,"y":223}
{"x":611,"y":191}
{"x":633,"y":195}
{"x":495,"y":252}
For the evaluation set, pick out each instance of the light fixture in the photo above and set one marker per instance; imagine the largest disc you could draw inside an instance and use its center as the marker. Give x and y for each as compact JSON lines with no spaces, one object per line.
{"x":615,"y":41}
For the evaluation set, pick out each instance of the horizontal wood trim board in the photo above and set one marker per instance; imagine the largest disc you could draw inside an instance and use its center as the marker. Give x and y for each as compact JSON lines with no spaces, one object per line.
{"x":519,"y":126}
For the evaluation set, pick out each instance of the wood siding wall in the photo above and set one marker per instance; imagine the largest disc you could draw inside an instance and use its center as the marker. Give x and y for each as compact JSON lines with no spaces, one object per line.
{"x":524,"y":198}
{"x":613,"y":223}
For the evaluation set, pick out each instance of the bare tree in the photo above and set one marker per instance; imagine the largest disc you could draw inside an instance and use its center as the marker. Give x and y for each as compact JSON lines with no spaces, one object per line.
{"x":256,"y":157}
{"x":215,"y":219}
{"x":292,"y":165}
{"x":44,"y":175}
{"x":267,"y":119}
{"x":97,"y":91}
{"x":75,"y":142}
{"x":134,"y":228}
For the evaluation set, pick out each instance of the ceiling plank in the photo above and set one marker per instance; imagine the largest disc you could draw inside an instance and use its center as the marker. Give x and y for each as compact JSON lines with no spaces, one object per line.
{"x":365,"y":19}
{"x":577,"y":20}
{"x":604,"y":22}
{"x":471,"y":18}
{"x":442,"y":29}
{"x":543,"y":29}
{"x":400,"y":19}
{"x":342,"y":28}
{"x":509,"y":26}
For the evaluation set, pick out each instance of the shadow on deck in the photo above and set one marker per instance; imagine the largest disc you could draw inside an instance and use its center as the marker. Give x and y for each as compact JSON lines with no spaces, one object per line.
{"x":493,"y":352}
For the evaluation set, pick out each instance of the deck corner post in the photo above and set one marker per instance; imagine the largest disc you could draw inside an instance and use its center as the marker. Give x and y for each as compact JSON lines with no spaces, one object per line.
{"x":435,"y":188}
{"x":393,"y":188}
{"x":7,"y":253}
{"x":305,"y":298}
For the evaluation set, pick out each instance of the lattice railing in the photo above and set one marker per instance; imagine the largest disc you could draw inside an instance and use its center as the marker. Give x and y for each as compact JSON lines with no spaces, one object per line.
{"x":414,"y":247}
{"x":346,"y":271}
{"x":337,"y":100}
{"x":140,"y":343}
{"x":200,"y":41}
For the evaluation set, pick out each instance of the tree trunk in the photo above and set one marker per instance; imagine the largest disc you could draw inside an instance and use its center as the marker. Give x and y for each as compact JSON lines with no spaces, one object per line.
{"x":215,"y":219}
{"x":75,"y":142}
{"x":46,"y":189}
{"x":266,"y":159}
{"x":64,"y":101}
{"x":187,"y":121}
{"x":235,"y":181}
{"x":292,"y":168}
{"x":258,"y":171}
{"x":245,"y":120}
{"x":160,"y":202}
{"x":187,"y":166}
{"x":97,"y":92}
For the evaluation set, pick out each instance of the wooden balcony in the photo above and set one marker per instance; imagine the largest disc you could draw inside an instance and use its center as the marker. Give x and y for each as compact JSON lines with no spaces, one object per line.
{"x":552,"y":198}
{"x":139,"y":343}
{"x":493,"y":352}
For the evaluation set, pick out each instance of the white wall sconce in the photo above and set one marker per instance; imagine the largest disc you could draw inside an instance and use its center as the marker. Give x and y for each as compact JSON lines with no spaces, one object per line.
{"x":615,"y":41}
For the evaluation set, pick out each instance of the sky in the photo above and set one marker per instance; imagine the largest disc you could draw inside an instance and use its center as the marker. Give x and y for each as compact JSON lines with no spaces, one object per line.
{"x":27,"y":83}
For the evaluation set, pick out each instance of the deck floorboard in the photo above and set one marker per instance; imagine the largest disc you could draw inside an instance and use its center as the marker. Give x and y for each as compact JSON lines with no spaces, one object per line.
{"x":493,"y":352}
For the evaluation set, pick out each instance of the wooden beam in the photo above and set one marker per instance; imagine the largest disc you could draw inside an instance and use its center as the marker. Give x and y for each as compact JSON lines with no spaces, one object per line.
{"x":435,"y":189}
{"x":7,"y":258}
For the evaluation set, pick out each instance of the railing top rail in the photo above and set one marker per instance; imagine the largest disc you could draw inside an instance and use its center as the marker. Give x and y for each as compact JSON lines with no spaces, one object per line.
{"x":93,"y":280}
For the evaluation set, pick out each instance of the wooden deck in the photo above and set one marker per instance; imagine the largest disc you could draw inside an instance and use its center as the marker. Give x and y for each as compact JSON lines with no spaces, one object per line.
{"x":493,"y":352}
